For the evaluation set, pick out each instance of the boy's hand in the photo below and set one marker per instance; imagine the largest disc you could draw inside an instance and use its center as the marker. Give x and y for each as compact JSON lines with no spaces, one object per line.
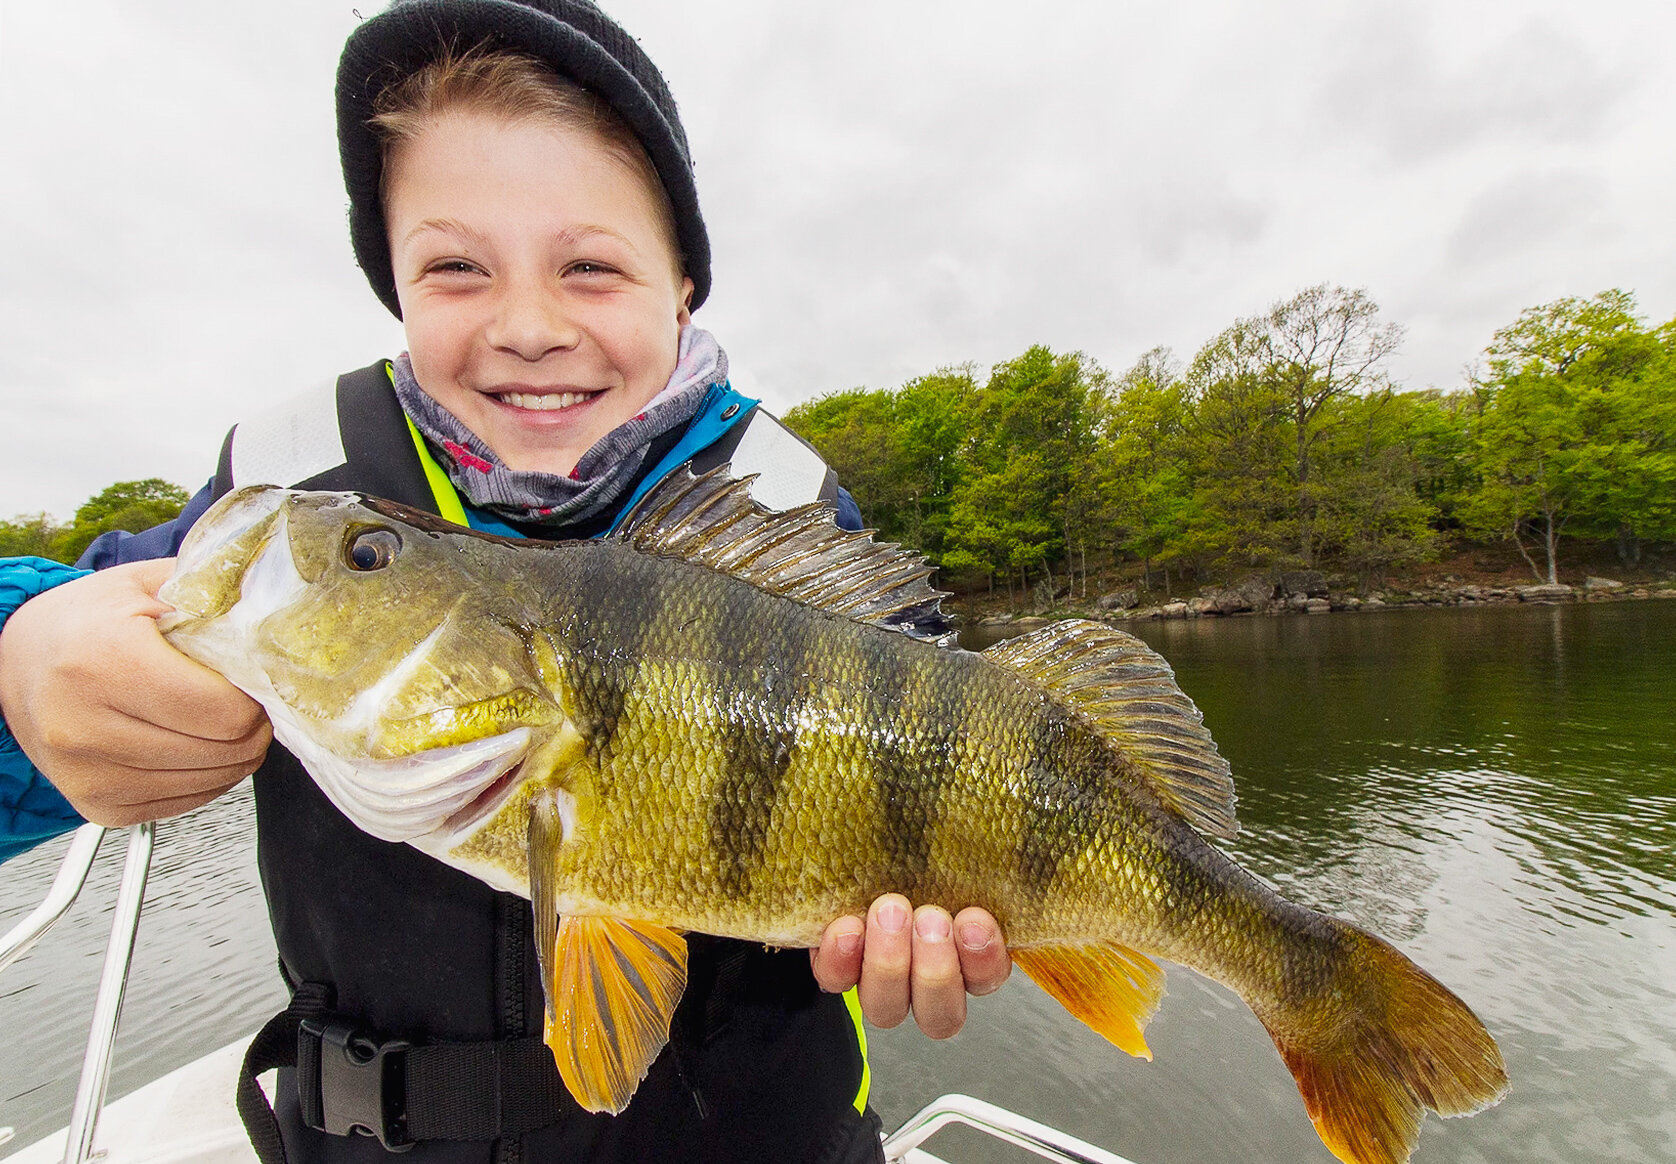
{"x":124,"y":725}
{"x":921,"y":960}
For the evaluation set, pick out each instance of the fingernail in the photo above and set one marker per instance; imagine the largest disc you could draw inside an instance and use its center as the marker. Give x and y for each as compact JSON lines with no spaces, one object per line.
{"x":974,"y":937}
{"x":932,"y":925}
{"x":893,"y":918}
{"x":848,"y":944}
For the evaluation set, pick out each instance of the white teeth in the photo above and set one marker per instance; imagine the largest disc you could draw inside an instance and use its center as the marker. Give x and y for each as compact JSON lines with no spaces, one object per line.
{"x":545,"y":402}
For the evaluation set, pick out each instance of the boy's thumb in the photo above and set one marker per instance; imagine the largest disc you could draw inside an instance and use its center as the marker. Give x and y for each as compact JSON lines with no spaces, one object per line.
{"x":149,"y":575}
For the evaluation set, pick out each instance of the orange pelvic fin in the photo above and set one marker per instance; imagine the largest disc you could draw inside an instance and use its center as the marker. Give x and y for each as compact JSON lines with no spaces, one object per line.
{"x":1110,"y":987}
{"x":1367,"y":1075}
{"x":614,"y":990}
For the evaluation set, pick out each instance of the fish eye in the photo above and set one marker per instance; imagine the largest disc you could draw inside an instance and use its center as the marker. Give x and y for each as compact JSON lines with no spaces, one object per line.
{"x":372,"y":549}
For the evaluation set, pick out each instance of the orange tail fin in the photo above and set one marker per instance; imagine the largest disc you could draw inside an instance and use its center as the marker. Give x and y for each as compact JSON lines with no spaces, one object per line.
{"x":1391,"y":1042}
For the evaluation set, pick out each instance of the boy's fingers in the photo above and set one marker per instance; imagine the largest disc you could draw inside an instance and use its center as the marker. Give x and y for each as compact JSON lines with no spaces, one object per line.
{"x":125,"y":726}
{"x":112,"y":811}
{"x":939,"y":993}
{"x":984,"y":961}
{"x":888,"y":947}
{"x":122,"y":742}
{"x":837,"y":960}
{"x":182,"y":695}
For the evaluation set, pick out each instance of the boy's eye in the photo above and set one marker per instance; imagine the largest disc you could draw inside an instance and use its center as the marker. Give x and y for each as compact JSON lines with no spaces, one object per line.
{"x":453,"y":266}
{"x":589,"y":267}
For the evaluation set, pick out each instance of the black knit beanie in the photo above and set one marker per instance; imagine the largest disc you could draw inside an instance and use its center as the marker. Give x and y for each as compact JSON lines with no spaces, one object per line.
{"x":572,"y":36}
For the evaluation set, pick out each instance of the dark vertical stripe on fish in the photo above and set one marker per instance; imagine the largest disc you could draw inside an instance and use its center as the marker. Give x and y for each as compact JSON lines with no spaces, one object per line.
{"x":912,"y":765}
{"x":610,"y":640}
{"x":1060,"y":806}
{"x":765,"y":659}
{"x":1313,"y":954}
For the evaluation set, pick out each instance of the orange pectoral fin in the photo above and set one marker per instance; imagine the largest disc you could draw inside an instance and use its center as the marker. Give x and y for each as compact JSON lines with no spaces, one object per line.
{"x":1110,"y":987}
{"x":614,"y":991}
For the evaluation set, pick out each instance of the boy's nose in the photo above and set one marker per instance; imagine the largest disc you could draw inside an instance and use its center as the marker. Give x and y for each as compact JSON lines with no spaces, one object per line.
{"x":532,"y":321}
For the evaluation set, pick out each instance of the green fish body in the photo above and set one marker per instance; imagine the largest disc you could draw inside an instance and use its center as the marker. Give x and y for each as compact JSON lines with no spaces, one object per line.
{"x":716,"y":721}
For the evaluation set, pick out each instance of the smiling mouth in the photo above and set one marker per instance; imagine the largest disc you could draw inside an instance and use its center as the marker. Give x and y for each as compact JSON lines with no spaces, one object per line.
{"x":544,"y":401}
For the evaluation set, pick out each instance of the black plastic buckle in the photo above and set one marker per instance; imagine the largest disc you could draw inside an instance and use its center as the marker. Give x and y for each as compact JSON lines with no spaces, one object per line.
{"x":362,"y":1084}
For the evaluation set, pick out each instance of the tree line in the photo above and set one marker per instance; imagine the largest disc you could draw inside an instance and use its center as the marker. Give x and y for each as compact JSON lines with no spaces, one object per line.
{"x":1281,"y":444}
{"x":127,"y":505}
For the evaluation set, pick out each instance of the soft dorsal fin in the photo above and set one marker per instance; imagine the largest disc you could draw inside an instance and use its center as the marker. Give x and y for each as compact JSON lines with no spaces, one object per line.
{"x":1128,"y":693}
{"x":799,"y":553}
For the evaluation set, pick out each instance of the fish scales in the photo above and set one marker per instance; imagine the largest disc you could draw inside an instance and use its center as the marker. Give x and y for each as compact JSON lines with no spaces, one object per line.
{"x":712,"y":722}
{"x":733,"y":746}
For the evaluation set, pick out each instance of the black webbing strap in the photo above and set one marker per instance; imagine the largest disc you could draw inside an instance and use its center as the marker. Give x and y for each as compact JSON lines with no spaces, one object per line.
{"x":350,"y":1080}
{"x":275,"y":1045}
{"x":481,"y":1091}
{"x":347,"y":1081}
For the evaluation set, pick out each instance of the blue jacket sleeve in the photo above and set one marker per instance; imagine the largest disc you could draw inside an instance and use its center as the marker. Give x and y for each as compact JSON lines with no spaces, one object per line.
{"x":849,"y":513}
{"x":31,"y":809}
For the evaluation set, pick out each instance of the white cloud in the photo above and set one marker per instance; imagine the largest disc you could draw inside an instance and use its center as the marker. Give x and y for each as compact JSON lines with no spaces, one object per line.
{"x":889,"y":187}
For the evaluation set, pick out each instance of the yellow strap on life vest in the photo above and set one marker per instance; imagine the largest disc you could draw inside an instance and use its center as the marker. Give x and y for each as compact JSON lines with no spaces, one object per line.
{"x":853,"y":1003}
{"x":442,"y":489}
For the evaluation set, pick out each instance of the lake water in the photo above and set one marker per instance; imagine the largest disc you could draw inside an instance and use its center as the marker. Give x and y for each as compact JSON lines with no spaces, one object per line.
{"x":1494,"y":789}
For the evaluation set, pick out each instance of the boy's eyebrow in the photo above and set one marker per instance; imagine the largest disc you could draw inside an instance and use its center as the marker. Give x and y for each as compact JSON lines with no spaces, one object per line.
{"x":569,"y":236}
{"x":446,"y":226}
{"x":572,"y":235}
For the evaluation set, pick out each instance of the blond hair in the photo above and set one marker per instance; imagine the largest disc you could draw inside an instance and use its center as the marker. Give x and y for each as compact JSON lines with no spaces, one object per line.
{"x":515,"y":88}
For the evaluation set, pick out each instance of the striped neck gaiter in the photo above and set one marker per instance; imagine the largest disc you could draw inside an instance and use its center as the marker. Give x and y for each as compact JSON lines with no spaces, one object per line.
{"x":603,"y":474}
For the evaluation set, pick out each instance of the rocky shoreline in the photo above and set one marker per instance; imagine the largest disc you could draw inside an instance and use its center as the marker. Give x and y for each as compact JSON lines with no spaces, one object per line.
{"x":1311,"y":592}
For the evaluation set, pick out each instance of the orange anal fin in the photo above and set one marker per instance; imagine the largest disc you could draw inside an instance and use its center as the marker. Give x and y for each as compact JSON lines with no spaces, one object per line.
{"x":614,"y":991}
{"x":1110,"y":987}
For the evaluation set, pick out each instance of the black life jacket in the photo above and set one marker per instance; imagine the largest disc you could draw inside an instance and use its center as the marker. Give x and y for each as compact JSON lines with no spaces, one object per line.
{"x":417,"y":1006}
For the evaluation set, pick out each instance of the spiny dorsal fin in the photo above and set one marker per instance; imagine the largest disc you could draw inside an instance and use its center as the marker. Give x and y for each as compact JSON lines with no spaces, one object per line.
{"x":799,"y":553}
{"x":1128,"y":693}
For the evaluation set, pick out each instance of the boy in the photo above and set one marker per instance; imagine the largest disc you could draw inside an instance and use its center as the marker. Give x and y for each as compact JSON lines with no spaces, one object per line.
{"x":522,"y":198}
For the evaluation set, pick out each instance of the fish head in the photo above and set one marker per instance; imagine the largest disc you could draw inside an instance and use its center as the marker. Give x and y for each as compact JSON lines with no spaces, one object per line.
{"x":391,"y":651}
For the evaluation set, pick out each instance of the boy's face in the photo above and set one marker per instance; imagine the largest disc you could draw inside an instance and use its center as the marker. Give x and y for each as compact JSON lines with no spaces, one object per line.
{"x":542,"y":300}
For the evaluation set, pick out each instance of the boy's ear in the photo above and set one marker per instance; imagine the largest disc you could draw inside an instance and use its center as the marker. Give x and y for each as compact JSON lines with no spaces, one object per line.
{"x":683,"y":315}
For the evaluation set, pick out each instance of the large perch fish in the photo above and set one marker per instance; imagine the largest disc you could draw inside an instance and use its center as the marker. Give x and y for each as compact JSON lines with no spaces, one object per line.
{"x":720,"y":719}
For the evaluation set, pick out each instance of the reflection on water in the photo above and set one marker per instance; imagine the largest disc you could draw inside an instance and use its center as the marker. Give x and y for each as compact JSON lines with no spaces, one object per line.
{"x":1494,"y":789}
{"x":1491,"y":788}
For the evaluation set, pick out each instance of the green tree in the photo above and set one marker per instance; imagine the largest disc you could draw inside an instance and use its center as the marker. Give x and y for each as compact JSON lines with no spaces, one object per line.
{"x":1371,"y":517}
{"x":1577,"y":429}
{"x":1146,"y":486}
{"x":1322,"y":344}
{"x":898,"y":453}
{"x":1437,"y":428}
{"x":1238,"y":447}
{"x":127,"y":505}
{"x":28,"y":535}
{"x":1031,"y":443}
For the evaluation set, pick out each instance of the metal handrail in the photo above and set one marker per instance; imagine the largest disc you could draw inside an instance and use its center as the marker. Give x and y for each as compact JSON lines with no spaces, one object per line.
{"x":113,"y":980}
{"x":72,"y":875}
{"x":1009,"y":1127}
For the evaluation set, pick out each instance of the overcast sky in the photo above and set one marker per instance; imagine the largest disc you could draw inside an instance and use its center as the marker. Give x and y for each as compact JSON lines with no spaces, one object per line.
{"x":889,"y":187}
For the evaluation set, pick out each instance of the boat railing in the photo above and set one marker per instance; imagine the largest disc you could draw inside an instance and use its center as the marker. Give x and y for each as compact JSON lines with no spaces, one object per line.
{"x":113,"y":979}
{"x":902,"y":1145}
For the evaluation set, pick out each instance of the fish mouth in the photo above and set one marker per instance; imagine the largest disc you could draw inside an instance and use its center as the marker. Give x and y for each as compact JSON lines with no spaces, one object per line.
{"x":208,"y":578}
{"x":400,"y":800}
{"x":484,"y":805}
